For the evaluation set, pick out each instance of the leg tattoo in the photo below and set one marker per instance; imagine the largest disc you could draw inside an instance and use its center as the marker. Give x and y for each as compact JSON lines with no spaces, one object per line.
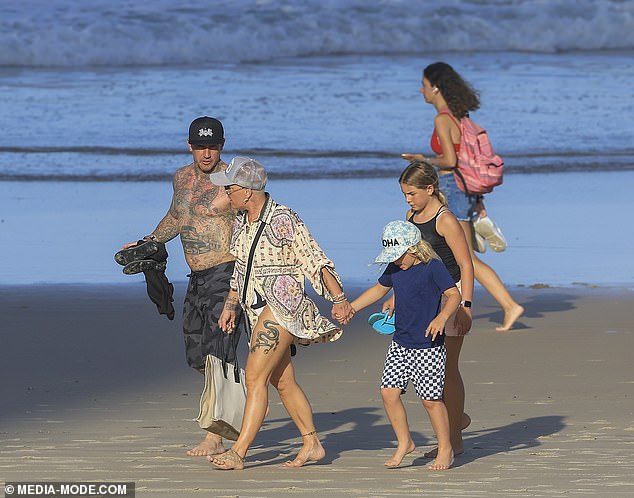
{"x":267,"y":340}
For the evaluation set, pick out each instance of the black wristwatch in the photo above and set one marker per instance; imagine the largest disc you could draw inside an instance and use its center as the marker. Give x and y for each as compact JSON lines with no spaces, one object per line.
{"x":465,"y":304}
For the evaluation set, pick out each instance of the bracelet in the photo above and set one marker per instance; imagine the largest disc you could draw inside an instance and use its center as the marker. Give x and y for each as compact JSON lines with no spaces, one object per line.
{"x":339,"y":298}
{"x":151,"y":237}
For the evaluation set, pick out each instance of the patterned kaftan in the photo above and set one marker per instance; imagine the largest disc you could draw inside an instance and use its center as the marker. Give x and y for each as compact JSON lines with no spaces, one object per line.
{"x":286,"y":254}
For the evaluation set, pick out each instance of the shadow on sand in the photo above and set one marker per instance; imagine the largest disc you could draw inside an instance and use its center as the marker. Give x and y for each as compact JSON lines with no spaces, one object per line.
{"x":360,"y":429}
{"x":537,"y":306}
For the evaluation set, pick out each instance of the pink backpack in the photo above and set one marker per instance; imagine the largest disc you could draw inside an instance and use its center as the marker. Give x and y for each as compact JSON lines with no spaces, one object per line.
{"x":479,"y":167}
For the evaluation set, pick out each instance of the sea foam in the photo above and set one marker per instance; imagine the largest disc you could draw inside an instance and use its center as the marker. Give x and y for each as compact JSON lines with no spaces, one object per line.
{"x":67,"y":33}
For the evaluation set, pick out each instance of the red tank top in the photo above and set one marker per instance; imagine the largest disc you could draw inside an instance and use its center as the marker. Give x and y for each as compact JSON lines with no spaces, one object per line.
{"x":435,"y":142}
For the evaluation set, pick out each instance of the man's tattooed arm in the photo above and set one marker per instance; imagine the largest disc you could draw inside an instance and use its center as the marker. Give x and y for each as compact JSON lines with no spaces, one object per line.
{"x":168,"y":227}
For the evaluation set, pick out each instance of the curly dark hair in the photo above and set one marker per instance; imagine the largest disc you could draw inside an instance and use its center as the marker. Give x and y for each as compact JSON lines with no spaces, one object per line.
{"x":460,"y":96}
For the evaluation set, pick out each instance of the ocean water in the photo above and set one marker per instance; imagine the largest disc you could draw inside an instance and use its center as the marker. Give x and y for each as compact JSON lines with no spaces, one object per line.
{"x":105,"y":90}
{"x":100,"y":93}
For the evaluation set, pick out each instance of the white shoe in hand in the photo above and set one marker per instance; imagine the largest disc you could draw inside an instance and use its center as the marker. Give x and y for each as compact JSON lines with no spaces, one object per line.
{"x":487,"y":228}
{"x":479,"y":243}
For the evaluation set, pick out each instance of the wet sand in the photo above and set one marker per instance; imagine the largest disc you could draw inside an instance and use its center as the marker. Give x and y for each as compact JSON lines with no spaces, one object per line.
{"x":68,"y":231}
{"x":95,"y":388}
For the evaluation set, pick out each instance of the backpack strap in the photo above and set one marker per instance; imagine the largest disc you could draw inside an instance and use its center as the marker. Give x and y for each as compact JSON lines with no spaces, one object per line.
{"x":457,"y":123}
{"x":458,"y":176}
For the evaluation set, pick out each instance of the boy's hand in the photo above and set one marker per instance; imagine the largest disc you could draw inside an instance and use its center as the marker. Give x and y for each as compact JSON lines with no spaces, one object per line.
{"x":388,"y":306}
{"x":436,"y":326}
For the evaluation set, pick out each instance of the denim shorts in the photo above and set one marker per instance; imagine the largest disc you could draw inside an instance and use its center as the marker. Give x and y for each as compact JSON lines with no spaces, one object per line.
{"x":459,"y":203}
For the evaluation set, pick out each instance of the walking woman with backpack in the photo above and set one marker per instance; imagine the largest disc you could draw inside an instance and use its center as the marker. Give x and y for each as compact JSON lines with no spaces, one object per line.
{"x":453,"y":98}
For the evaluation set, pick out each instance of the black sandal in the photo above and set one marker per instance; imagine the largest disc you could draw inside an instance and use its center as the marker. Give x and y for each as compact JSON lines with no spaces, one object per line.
{"x":142,"y":250}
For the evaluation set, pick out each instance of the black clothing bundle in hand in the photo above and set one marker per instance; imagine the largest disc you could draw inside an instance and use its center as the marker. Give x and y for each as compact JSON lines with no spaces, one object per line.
{"x":150,"y":257}
{"x":161,"y":291}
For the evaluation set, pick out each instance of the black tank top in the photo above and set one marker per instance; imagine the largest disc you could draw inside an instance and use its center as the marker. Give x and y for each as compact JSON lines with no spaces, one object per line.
{"x":438,"y":244}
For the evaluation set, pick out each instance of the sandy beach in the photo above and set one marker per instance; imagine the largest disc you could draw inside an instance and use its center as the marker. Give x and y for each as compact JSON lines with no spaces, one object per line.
{"x":94,"y":385}
{"x":95,"y":388}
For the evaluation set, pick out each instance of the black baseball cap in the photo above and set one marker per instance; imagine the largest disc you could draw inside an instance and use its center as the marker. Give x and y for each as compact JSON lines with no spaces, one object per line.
{"x":206,"y":131}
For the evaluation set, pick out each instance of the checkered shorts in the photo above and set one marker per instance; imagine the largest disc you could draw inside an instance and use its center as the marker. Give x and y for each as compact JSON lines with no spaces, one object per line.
{"x":424,"y":367}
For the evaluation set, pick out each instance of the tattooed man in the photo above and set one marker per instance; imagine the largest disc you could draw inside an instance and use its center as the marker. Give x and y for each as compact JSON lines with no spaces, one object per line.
{"x":201,"y":215}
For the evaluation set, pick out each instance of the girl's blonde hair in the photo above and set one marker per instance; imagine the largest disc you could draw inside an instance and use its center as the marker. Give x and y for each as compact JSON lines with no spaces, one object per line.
{"x":423,"y":251}
{"x":421,"y":174}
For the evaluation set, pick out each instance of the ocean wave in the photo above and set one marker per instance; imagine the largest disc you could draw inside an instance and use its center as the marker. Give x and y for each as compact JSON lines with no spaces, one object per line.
{"x":71,"y":164}
{"x":93,"y":150}
{"x":66,"y":33}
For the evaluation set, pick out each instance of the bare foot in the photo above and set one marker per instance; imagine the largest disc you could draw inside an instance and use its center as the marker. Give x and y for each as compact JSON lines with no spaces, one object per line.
{"x":510,"y":317}
{"x":399,"y":454}
{"x":443,"y":461}
{"x":229,"y":460}
{"x":211,"y":445}
{"x":458,"y":449}
{"x":312,"y":451}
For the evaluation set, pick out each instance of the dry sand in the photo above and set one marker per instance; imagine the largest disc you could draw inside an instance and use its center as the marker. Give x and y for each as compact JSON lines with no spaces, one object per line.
{"x":94,"y":387}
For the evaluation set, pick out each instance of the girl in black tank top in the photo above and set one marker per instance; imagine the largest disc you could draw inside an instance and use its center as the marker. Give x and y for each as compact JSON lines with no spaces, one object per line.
{"x":438,"y":243}
{"x":419,"y":184}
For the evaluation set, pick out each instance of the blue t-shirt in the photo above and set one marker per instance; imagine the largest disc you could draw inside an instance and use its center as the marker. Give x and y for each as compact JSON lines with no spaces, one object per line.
{"x":417,"y":294}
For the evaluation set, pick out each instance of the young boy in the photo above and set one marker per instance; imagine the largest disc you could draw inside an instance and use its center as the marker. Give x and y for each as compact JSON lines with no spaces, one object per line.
{"x":417,"y":351}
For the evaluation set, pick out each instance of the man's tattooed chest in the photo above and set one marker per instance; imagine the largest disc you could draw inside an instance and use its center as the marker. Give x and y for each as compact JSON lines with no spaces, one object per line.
{"x":203,"y":239}
{"x":198,"y":202}
{"x":205,"y":219}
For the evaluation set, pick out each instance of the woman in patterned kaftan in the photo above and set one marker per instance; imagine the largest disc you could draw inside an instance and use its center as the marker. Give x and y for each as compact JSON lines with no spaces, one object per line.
{"x":271,"y":291}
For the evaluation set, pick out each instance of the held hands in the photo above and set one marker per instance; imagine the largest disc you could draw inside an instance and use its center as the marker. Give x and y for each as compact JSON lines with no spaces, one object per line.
{"x":342,"y":312}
